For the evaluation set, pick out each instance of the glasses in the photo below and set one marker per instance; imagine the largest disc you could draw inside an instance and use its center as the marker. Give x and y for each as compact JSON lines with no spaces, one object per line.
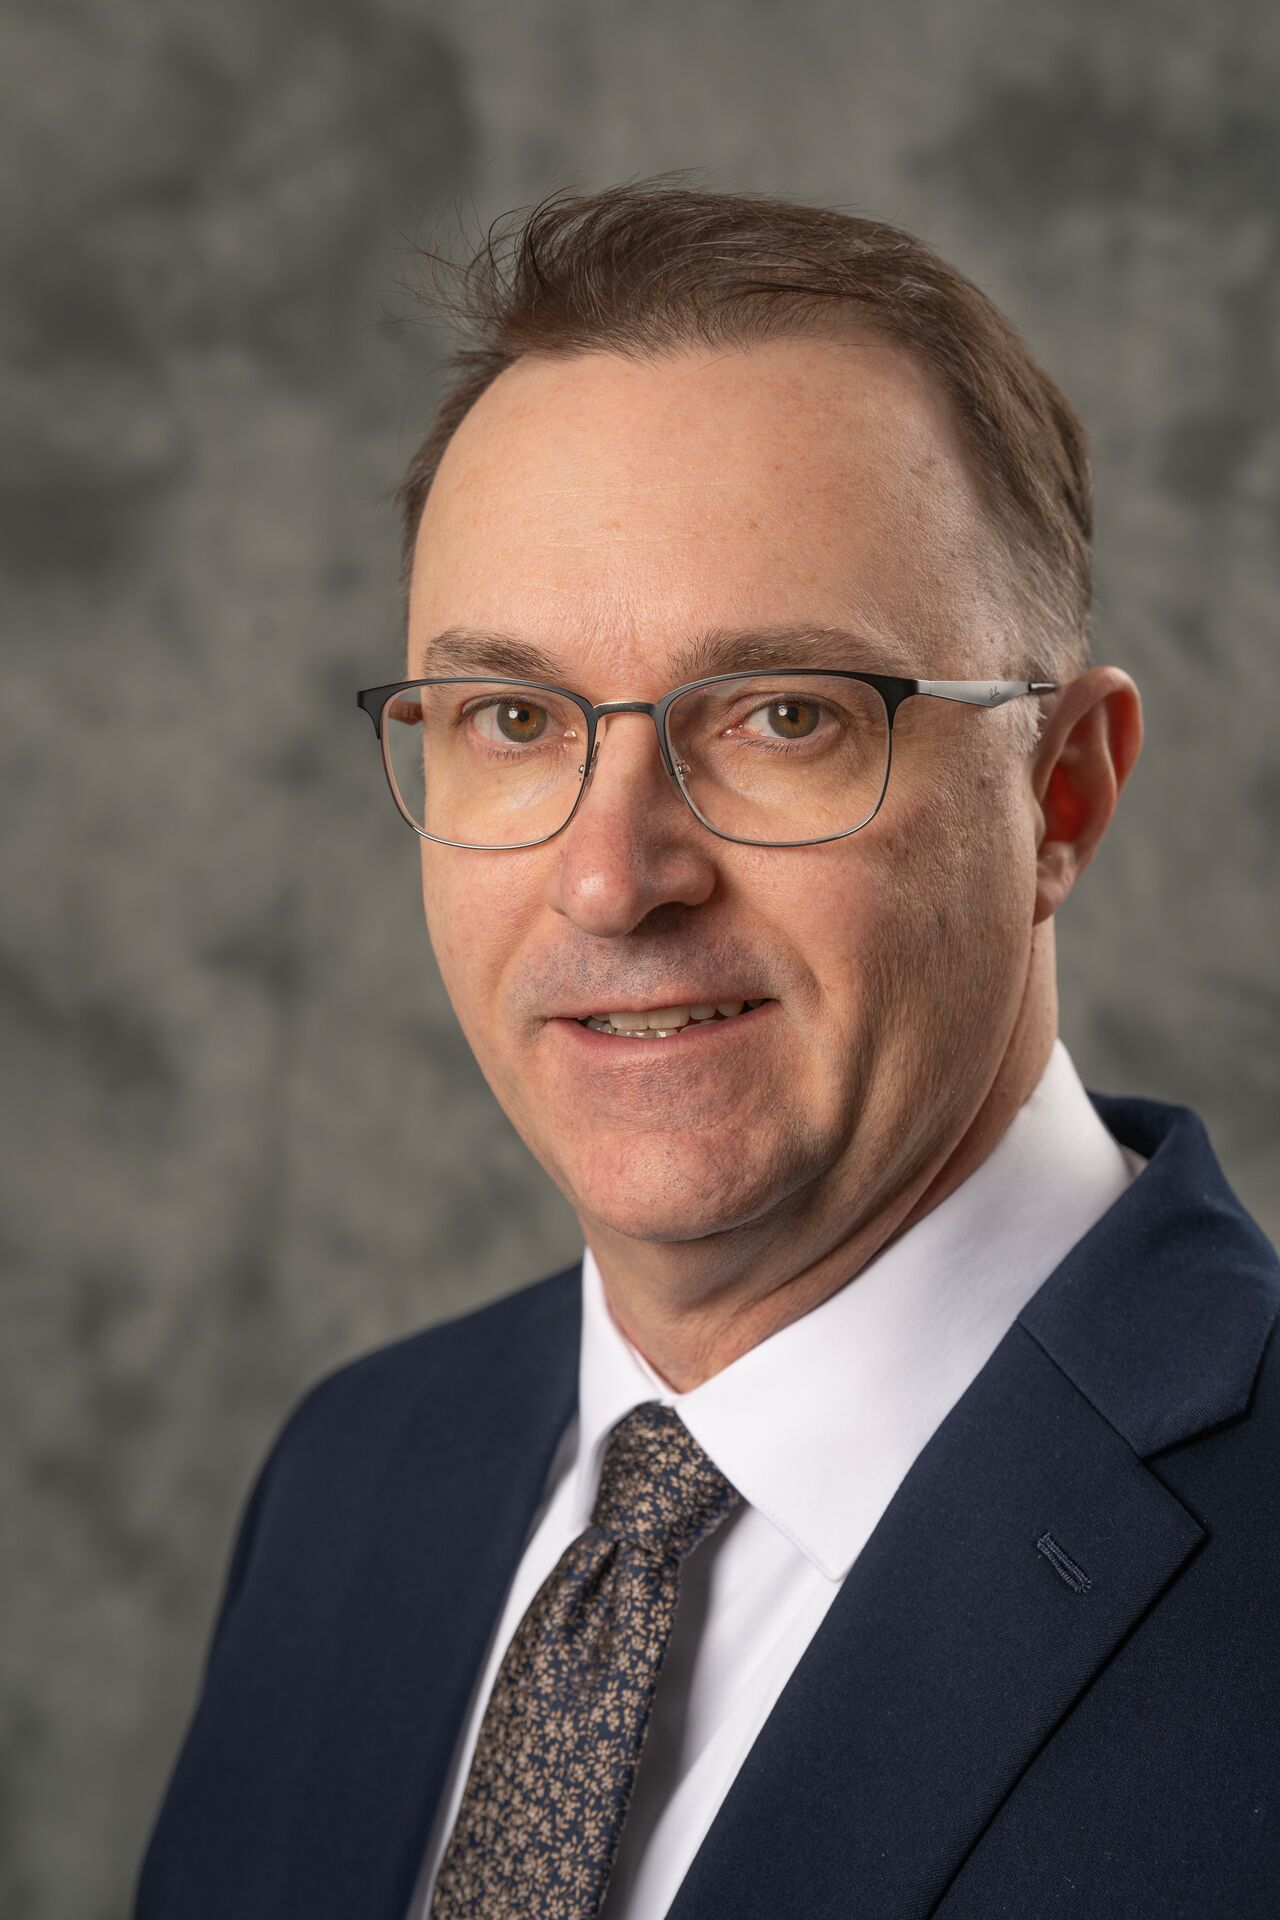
{"x":786,"y":758}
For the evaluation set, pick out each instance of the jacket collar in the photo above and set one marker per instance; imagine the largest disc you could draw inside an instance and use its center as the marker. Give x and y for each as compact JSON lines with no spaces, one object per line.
{"x":1160,"y":1313}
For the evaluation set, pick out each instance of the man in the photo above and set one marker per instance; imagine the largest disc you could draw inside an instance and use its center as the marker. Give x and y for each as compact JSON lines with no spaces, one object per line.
{"x":880,"y":1520}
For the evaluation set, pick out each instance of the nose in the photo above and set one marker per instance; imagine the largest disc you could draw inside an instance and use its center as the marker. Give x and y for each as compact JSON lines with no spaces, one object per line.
{"x":633,"y":844}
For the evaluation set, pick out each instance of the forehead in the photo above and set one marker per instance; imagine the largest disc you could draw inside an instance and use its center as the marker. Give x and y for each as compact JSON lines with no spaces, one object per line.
{"x":607,"y":508}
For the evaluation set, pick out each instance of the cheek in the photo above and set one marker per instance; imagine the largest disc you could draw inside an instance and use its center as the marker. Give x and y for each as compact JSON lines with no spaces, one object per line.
{"x":898,"y":932}
{"x":477,"y":909}
{"x":463,"y":928}
{"x":848,"y":911}
{"x":965,"y":907}
{"x":438,"y":909}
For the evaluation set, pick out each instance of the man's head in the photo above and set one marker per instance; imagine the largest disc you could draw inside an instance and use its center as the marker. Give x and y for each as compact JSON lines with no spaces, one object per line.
{"x":624,"y":501}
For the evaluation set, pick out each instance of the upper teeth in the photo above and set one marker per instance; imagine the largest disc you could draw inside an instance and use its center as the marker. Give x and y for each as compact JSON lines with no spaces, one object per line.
{"x":664,"y":1020}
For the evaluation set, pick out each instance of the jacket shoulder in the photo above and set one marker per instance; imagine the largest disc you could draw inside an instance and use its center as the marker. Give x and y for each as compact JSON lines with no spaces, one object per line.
{"x":384,"y":1409}
{"x":480,"y":1350}
{"x":1161,"y":1312}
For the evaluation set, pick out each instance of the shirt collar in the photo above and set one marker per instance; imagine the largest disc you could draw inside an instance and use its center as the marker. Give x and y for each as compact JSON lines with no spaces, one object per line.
{"x":848,"y":1394}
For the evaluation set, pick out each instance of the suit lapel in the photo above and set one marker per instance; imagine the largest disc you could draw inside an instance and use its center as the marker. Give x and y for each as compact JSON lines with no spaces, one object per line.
{"x":445,"y":1526}
{"x":952,"y":1650}
{"x":1028,"y":1539}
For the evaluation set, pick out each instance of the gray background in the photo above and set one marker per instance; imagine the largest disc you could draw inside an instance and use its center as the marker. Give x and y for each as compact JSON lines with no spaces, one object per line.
{"x":243,"y":1139}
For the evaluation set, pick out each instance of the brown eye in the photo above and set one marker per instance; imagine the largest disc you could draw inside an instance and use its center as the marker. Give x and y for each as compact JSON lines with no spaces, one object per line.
{"x":520,"y":721}
{"x":789,"y":719}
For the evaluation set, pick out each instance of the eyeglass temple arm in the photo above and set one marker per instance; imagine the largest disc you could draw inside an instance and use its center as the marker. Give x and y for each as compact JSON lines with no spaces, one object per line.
{"x":985,"y":693}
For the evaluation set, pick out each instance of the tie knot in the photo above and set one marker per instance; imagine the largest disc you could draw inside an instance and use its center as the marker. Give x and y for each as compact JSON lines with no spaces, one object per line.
{"x":657,"y":1487}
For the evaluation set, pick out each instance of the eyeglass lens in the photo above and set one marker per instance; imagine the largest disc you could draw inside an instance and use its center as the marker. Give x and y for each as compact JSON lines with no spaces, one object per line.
{"x":761,"y":757}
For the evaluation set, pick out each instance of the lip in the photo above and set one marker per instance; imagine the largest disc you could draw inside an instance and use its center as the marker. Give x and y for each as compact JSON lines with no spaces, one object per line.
{"x":601,"y":1048}
{"x":700,"y":999}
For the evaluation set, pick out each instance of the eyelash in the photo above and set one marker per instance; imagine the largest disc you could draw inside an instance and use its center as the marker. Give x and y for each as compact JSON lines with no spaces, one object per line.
{"x":487,"y":703}
{"x":775,"y":699}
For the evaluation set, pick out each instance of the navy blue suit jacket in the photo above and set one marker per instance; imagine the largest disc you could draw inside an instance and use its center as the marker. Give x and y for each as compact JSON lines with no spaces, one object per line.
{"x":1049,"y":1685}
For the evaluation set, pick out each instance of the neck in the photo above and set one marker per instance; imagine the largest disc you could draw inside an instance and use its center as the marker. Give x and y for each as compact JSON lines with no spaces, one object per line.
{"x":689,"y":1331}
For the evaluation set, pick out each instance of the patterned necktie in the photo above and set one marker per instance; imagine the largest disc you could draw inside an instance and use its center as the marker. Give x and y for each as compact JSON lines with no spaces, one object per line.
{"x":555,"y":1763}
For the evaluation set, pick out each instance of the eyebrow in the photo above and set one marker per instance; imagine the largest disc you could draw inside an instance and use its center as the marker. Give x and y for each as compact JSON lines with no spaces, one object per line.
{"x":472,"y":650}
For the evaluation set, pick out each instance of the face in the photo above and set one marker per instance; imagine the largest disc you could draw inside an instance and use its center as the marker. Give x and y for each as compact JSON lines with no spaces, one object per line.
{"x":611,"y":515}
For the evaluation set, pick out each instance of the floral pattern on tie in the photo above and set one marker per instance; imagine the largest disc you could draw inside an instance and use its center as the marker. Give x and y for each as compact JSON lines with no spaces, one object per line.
{"x":555,"y":1762}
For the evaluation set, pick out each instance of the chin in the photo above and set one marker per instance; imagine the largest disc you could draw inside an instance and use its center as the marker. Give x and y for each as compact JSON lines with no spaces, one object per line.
{"x":659,"y":1224}
{"x":648,"y":1199}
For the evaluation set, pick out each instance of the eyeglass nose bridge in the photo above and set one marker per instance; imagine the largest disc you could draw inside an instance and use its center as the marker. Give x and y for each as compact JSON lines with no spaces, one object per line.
{"x":655,"y":710}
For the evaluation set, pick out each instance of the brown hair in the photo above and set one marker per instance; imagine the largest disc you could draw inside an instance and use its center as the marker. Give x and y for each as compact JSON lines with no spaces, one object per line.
{"x":646,"y":268}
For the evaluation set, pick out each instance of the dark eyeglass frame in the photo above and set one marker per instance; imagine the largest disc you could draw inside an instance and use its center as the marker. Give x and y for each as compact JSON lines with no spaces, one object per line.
{"x":892,"y":689}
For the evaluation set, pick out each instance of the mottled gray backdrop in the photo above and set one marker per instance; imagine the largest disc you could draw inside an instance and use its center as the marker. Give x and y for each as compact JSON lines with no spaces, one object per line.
{"x":243,"y":1139}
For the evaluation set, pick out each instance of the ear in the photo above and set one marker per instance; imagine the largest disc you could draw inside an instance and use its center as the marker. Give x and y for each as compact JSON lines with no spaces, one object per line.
{"x":1091,"y":740}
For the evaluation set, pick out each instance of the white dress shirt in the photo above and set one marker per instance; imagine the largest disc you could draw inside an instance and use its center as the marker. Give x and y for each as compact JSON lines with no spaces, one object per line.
{"x":816,"y":1427}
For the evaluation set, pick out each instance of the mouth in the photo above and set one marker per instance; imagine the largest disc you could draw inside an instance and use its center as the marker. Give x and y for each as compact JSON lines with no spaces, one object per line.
{"x":670,"y":1022}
